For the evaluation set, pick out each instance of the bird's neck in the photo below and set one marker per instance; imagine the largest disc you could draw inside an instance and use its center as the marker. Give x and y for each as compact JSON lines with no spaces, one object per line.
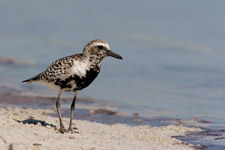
{"x":93,"y":61}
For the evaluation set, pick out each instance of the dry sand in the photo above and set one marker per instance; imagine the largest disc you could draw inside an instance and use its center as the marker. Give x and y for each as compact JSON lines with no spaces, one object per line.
{"x":89,"y":136}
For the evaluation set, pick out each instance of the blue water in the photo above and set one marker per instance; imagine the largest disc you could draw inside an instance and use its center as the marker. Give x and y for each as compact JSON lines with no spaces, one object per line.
{"x":173,"y":51}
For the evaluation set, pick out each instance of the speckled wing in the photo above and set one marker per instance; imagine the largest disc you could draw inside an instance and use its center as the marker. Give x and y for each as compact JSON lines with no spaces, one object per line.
{"x":57,"y":70}
{"x":60,"y":68}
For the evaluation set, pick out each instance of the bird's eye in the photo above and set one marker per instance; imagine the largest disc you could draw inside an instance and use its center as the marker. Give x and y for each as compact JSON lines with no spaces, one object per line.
{"x":100,"y":47}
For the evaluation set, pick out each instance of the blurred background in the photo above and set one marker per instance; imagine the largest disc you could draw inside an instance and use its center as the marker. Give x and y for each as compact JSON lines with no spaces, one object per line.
{"x":173,"y":51}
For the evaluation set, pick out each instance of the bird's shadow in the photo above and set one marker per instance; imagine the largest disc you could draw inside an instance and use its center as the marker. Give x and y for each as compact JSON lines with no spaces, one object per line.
{"x":35,"y":122}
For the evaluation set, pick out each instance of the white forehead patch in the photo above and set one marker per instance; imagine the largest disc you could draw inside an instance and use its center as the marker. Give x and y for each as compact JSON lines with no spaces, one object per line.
{"x":100,"y":43}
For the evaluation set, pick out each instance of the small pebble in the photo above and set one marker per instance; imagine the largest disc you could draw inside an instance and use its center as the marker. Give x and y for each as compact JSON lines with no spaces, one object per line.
{"x":37,"y":144}
{"x":71,"y":137}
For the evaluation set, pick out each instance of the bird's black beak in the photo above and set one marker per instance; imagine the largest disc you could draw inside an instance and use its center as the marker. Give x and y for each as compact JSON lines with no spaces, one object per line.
{"x":113,"y":54}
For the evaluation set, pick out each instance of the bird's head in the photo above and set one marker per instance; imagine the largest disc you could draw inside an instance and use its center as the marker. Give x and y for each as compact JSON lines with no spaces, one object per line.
{"x":99,"y":49}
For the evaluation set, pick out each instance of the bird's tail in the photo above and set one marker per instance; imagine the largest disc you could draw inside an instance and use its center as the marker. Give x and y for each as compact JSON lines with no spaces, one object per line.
{"x":33,"y":79}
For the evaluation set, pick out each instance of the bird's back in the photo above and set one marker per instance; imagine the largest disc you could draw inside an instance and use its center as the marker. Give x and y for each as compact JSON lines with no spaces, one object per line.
{"x":69,"y":73}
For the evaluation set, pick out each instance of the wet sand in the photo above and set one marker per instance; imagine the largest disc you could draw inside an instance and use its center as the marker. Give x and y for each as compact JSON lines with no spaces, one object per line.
{"x":25,"y":126}
{"x":14,"y":98}
{"x":36,"y":129}
{"x":15,"y":61}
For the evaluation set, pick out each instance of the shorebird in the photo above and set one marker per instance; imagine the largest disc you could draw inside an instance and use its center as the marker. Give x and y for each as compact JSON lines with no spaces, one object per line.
{"x":74,"y":73}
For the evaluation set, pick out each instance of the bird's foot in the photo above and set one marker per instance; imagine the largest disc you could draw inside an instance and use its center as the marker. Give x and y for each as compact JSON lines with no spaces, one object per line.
{"x":73,"y":130}
{"x":62,"y":130}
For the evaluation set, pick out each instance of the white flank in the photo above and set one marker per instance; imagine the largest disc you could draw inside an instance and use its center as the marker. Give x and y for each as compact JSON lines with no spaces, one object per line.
{"x":50,"y":85}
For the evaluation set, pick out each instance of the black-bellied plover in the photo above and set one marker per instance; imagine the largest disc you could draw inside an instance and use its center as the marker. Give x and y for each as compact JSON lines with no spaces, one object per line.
{"x":73,"y":73}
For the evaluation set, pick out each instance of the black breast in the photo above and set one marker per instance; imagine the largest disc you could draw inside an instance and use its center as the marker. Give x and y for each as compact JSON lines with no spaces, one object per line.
{"x":86,"y":81}
{"x":81,"y":82}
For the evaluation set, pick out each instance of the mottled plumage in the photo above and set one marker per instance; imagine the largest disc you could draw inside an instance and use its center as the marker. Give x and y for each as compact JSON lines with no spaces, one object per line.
{"x":75,"y":72}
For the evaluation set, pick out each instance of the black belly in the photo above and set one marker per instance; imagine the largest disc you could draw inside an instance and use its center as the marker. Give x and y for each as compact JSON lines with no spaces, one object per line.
{"x":81,"y":82}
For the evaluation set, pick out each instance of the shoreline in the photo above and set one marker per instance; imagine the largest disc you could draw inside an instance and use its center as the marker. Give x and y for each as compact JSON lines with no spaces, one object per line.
{"x":108,"y":113}
{"x":36,"y":129}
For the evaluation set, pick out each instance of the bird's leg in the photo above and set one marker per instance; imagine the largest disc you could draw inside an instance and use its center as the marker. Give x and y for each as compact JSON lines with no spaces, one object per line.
{"x":71,"y":111}
{"x":62,"y":128}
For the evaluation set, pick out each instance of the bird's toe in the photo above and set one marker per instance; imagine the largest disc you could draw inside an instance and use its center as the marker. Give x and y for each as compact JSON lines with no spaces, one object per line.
{"x":73,"y":130}
{"x":62,"y":130}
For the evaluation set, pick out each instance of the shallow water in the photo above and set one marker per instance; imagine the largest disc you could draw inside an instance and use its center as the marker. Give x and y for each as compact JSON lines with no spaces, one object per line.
{"x":173,"y":51}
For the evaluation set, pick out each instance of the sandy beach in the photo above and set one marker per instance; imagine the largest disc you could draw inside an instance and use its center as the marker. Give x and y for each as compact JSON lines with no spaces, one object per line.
{"x":36,"y":129}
